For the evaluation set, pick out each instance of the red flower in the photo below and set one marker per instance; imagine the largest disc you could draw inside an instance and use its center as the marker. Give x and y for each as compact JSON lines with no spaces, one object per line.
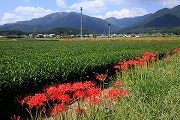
{"x":64,"y":88}
{"x":88,"y":84}
{"x":124,"y":93}
{"x":80,"y":111}
{"x":51,"y":92}
{"x":37,"y":100}
{"x":94,"y":99}
{"x":117,"y":67}
{"x":64,"y":98}
{"x":131,"y":62}
{"x":57,"y":109}
{"x":124,"y":66}
{"x":113,"y":94}
{"x":142,"y":63}
{"x":153,"y":58}
{"x":118,"y":83}
{"x":78,"y":86}
{"x":26,"y":100}
{"x":16,"y":118}
{"x":101,"y":77}
{"x":94,"y":91}
{"x":168,"y":53}
{"x":80,"y":94}
{"x":167,"y":59}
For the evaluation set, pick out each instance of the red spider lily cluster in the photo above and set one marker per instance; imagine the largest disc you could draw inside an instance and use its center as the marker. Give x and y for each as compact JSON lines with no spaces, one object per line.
{"x":116,"y":93}
{"x":173,"y":51}
{"x":176,"y":51}
{"x":141,"y":61}
{"x":65,"y":94}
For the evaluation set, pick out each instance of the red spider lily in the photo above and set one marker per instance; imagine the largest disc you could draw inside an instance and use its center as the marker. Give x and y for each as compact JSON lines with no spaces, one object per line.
{"x":131,"y":63}
{"x":80,"y":94}
{"x":101,"y":77}
{"x":120,"y":63}
{"x":78,"y":86}
{"x":93,"y":91}
{"x":15,"y":117}
{"x":149,"y":56}
{"x":124,"y":66}
{"x":94,"y":100}
{"x":65,"y":88}
{"x":58,"y":109}
{"x":168,"y":53}
{"x":89,"y":84}
{"x":153,"y":58}
{"x":136,"y":62}
{"x":25,"y":101}
{"x":167,"y":59}
{"x":124,"y":93}
{"x":38,"y":100}
{"x":50,"y":91}
{"x":176,"y":50}
{"x":118,"y":83}
{"x":64,"y":98}
{"x":79,"y":111}
{"x":117,"y":67}
{"x":113,"y":94}
{"x":142,"y":63}
{"x":146,"y":57}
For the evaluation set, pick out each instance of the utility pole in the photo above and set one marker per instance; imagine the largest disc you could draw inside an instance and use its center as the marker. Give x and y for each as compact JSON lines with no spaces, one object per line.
{"x":109,"y":31}
{"x":81,"y":8}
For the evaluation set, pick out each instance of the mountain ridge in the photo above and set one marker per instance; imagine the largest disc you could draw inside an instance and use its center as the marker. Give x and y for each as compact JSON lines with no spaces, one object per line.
{"x":162,"y":19}
{"x":61,"y":19}
{"x":125,"y":22}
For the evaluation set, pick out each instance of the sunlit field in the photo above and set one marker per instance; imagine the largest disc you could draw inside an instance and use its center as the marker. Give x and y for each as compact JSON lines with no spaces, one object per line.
{"x":29,"y":67}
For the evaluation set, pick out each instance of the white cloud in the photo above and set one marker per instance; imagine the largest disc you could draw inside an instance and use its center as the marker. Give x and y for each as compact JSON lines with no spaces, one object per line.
{"x":170,"y":3}
{"x":132,"y":1}
{"x":35,"y":12}
{"x":61,"y":3}
{"x":10,"y":18}
{"x":24,"y":13}
{"x":126,"y":13}
{"x":95,"y":6}
{"x":166,"y":3}
{"x":99,"y":16}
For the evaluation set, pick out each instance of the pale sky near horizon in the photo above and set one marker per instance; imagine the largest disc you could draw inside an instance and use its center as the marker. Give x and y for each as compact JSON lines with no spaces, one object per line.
{"x":19,"y":10}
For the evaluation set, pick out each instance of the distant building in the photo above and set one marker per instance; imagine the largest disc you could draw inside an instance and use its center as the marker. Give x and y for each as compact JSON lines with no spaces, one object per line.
{"x":12,"y":36}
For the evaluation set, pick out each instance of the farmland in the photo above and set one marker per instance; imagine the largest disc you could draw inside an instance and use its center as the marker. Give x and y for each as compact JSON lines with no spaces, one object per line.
{"x":28,"y":65}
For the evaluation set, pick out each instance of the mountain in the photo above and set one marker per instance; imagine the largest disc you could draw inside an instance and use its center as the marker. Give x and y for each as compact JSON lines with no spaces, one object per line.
{"x":125,"y":22}
{"x":61,"y":19}
{"x":162,"y":19}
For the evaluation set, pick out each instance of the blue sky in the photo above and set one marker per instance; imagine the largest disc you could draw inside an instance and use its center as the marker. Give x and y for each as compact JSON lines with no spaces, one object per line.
{"x":19,"y":10}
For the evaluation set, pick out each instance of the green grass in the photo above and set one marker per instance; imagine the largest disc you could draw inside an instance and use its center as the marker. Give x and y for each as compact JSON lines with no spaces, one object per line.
{"x":156,"y":96}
